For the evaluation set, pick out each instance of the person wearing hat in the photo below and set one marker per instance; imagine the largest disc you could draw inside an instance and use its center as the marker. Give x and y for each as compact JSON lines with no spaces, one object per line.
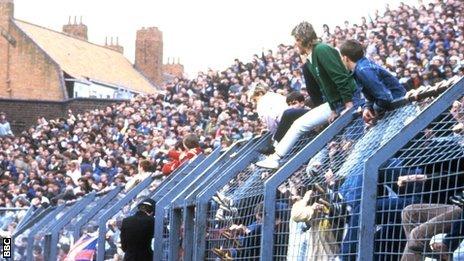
{"x":137,"y":232}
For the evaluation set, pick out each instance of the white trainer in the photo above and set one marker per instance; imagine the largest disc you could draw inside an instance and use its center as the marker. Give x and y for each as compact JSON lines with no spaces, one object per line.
{"x":268,"y":163}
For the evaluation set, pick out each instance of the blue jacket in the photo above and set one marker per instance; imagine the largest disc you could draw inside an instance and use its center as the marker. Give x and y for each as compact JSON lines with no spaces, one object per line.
{"x":377,"y":84}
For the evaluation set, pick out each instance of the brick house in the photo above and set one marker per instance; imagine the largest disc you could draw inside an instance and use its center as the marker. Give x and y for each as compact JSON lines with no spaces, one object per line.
{"x":38,"y":63}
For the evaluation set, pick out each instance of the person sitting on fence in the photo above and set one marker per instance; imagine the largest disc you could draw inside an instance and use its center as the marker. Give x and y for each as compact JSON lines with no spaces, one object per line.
{"x":269,"y":105}
{"x":327,"y":78}
{"x":191,"y":148}
{"x":378,"y":86}
{"x":296,"y":108}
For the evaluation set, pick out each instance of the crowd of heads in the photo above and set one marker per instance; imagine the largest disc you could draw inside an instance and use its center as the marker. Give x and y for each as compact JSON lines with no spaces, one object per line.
{"x":62,"y":159}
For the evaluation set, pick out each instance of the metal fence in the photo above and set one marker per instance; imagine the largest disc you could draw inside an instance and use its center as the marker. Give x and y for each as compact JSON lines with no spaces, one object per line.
{"x":392,"y":191}
{"x":10,"y":219}
{"x":109,"y":224}
{"x":317,"y":210}
{"x":162,"y":215}
{"x":417,"y":187}
{"x":180,"y":208}
{"x":63,"y":234}
{"x":232,"y":205}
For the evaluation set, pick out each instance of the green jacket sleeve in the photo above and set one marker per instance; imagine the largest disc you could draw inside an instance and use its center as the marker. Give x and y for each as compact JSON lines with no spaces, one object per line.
{"x":330,"y":60}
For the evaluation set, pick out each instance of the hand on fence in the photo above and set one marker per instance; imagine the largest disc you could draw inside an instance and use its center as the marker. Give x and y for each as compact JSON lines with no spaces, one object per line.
{"x":333,"y":116}
{"x":402,"y":180}
{"x":369,"y":116}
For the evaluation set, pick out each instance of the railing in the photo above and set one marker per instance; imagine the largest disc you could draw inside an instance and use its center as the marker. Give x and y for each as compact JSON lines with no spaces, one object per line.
{"x":408,"y":169}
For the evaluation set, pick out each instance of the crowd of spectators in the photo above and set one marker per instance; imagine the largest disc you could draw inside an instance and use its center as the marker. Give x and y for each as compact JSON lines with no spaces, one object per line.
{"x":65,"y":158}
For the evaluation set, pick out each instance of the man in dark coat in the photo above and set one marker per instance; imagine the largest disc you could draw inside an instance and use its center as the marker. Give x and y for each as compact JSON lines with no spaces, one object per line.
{"x":137,"y":233}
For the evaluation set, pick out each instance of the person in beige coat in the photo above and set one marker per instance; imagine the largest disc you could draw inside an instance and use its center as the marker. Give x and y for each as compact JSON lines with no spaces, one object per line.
{"x":322,"y":243}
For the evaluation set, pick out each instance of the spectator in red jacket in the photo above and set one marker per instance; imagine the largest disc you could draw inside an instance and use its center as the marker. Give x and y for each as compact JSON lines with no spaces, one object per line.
{"x":191,"y":149}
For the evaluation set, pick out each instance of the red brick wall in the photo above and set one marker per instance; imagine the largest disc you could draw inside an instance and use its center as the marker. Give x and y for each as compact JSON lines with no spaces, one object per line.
{"x":26,"y":72}
{"x":33,"y":74}
{"x":149,"y":53}
{"x":176,"y":70}
{"x":77,"y":30}
{"x":24,"y":113}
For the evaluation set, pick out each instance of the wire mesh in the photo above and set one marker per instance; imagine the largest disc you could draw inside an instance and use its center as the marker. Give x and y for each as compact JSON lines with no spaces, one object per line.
{"x":234,"y":214}
{"x":67,"y":234}
{"x":20,"y":237}
{"x":39,"y":237}
{"x":318,"y":207}
{"x":423,"y":184}
{"x":185,"y":201}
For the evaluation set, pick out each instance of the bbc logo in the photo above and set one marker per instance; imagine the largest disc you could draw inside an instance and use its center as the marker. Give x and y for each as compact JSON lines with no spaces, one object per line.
{"x":6,"y":248}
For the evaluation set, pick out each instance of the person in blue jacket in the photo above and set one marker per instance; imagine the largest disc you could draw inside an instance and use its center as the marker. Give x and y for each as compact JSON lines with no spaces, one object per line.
{"x":378,"y":86}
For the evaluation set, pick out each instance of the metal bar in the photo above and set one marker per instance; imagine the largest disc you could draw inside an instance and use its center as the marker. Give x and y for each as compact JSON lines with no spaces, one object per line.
{"x":13,"y":209}
{"x":177,"y":176}
{"x":174,"y":233}
{"x":188,"y":202}
{"x":29,"y":215}
{"x":226,"y":158}
{"x":55,"y":230}
{"x":369,"y":194}
{"x":112,"y":211}
{"x":211,"y":189}
{"x":163,"y":202}
{"x":208,"y":166}
{"x":37,"y":226}
{"x":189,"y":225}
{"x":102,"y":202}
{"x":270,"y":186}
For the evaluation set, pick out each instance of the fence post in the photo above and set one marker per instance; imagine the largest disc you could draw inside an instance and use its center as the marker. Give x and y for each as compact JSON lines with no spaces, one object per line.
{"x":174,"y":233}
{"x":101,"y":204}
{"x":292,"y":165}
{"x":189,"y":226}
{"x":370,"y":178}
{"x":209,"y":191}
{"x":112,"y":211}
{"x":51,"y":244}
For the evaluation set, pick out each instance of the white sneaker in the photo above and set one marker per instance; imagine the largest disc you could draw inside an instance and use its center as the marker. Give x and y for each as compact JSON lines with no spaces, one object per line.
{"x":268,"y":163}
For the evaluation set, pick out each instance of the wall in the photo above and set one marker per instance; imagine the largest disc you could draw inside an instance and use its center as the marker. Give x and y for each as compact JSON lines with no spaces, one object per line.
{"x":149,"y":53}
{"x":26,"y":72}
{"x":24,"y":113}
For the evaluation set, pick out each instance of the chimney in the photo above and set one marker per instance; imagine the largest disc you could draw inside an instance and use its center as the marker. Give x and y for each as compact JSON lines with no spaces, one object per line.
{"x":149,"y":53}
{"x":114,"y":45}
{"x":76,"y":30}
{"x":173,"y":68}
{"x":6,"y":13}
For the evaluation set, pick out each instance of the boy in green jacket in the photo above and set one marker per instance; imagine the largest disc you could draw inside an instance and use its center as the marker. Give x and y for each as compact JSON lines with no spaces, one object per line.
{"x":330,"y":86}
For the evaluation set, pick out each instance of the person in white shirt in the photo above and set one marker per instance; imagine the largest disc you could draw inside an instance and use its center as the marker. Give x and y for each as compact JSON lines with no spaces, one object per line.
{"x":269,"y":106}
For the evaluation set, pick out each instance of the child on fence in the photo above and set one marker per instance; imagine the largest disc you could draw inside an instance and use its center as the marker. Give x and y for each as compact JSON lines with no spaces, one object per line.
{"x":378,"y":86}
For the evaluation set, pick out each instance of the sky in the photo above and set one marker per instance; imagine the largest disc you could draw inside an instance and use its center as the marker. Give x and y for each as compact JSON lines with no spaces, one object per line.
{"x":202,"y":33}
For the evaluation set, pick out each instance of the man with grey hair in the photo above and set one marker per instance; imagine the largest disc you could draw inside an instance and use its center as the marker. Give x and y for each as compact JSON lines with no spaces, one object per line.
{"x":331,"y":87}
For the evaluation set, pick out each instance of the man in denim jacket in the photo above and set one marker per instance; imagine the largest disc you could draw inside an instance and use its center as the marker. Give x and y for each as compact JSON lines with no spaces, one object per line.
{"x":378,"y":86}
